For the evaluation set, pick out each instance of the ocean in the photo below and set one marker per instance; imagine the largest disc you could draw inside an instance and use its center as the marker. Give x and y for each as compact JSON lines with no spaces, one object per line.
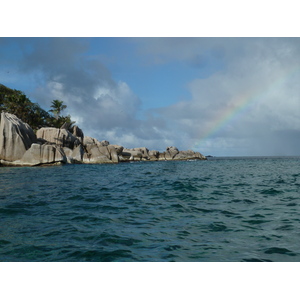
{"x":234,"y":209}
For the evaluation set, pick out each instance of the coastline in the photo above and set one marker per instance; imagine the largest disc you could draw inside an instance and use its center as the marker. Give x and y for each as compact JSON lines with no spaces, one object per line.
{"x":21,"y":146}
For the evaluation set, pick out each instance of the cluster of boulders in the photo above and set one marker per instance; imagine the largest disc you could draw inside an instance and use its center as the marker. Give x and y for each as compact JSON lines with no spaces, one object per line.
{"x":20,"y":146}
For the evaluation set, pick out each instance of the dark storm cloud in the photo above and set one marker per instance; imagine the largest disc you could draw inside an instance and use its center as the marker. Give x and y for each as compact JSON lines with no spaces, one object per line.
{"x":63,"y":60}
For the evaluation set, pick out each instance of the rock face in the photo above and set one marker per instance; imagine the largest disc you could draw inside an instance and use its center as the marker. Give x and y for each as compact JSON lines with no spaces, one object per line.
{"x":119,"y":149}
{"x":19,"y":146}
{"x":77,"y":132}
{"x":16,"y":137}
{"x":89,"y":140}
{"x":171,"y":152}
{"x":97,"y":152}
{"x":134,"y":154}
{"x":153,"y":154}
{"x":59,"y":137}
{"x":100,"y":154}
{"x":43,"y":154}
{"x":189,"y":154}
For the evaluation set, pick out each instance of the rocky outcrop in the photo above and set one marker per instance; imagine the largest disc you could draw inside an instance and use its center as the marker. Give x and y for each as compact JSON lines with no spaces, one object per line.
{"x":119,"y":149}
{"x":19,"y":146}
{"x":188,"y":155}
{"x":77,"y":132}
{"x":153,"y":154}
{"x":171,"y":152}
{"x":74,"y":155}
{"x":42,"y":154}
{"x":16,"y":137}
{"x":100,"y":154}
{"x":59,"y":137}
{"x":97,"y":152}
{"x":135,"y":154}
{"x":91,"y":141}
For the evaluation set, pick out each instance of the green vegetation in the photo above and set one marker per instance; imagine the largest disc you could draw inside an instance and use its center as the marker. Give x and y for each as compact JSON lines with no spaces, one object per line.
{"x":17,"y":103}
{"x":57,"y":106}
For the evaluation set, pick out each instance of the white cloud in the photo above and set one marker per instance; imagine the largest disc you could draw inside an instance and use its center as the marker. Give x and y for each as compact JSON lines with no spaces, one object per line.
{"x":248,"y":104}
{"x":257,"y":93}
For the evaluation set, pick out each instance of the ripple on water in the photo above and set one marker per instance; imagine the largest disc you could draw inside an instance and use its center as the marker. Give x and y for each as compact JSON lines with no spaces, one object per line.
{"x":256,"y":260}
{"x":217,"y":226}
{"x":220,"y":210}
{"x":101,"y":256}
{"x":271,"y":192}
{"x":278,"y":250}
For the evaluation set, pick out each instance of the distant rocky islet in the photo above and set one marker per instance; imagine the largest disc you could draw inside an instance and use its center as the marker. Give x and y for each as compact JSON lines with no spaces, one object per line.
{"x":21,"y":146}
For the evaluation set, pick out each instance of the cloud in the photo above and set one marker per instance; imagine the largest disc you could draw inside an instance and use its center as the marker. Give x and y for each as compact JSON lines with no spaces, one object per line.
{"x":253,"y":98}
{"x":102,"y":107}
{"x":243,"y":96}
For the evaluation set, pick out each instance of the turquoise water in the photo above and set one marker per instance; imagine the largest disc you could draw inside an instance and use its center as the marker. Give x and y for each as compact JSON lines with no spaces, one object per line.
{"x":225,"y":209}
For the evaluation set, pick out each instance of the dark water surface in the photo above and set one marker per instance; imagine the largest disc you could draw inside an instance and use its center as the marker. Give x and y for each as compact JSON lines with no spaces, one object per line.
{"x":226,"y":209}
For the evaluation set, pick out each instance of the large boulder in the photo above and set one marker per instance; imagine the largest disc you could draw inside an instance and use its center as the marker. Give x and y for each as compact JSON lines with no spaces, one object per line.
{"x":161,"y":156}
{"x":89,"y":140}
{"x":119,"y":149}
{"x":144,"y":151}
{"x":59,"y":137}
{"x":42,"y":154}
{"x":171,"y":152}
{"x":78,"y":153}
{"x":153,"y":154}
{"x":92,"y":141}
{"x":100,"y":154}
{"x":77,"y":132}
{"x":16,"y":137}
{"x":131,"y":154}
{"x":74,"y":155}
{"x":124,"y":156}
{"x":140,"y":153}
{"x":188,"y":154}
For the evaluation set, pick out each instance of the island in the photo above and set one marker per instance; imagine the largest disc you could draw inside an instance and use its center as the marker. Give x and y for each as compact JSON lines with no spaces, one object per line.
{"x":53,"y":139}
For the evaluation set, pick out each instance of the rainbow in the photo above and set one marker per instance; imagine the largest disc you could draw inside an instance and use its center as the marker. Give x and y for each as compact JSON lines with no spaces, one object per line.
{"x":240,"y":105}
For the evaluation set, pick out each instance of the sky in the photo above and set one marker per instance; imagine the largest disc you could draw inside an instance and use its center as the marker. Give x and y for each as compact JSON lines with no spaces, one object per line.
{"x":210,"y":91}
{"x":221,"y":96}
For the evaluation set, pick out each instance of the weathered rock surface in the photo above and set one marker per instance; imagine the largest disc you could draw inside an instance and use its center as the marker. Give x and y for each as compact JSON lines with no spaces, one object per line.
{"x":42,"y":154}
{"x":89,"y":140}
{"x":77,"y":154}
{"x":59,"y":137}
{"x":20,"y":146}
{"x":100,"y":154}
{"x":141,"y":153}
{"x":119,"y":149}
{"x":16,"y":137}
{"x":77,"y":132}
{"x":161,"y":156}
{"x":153,"y":154}
{"x":188,"y":154}
{"x":171,"y":152}
{"x":132,"y":155}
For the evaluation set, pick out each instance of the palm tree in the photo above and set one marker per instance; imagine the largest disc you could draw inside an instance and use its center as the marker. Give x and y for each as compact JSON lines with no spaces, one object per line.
{"x":58,"y":107}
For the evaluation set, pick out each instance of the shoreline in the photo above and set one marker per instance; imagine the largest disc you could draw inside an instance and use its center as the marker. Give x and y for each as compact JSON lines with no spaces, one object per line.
{"x":20,"y":146}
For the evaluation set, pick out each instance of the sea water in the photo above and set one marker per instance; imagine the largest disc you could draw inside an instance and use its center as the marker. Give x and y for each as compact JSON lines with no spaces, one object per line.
{"x":222,"y":209}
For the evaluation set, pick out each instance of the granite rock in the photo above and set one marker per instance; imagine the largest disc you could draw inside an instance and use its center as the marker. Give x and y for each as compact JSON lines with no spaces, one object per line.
{"x":16,"y":137}
{"x":59,"y":137}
